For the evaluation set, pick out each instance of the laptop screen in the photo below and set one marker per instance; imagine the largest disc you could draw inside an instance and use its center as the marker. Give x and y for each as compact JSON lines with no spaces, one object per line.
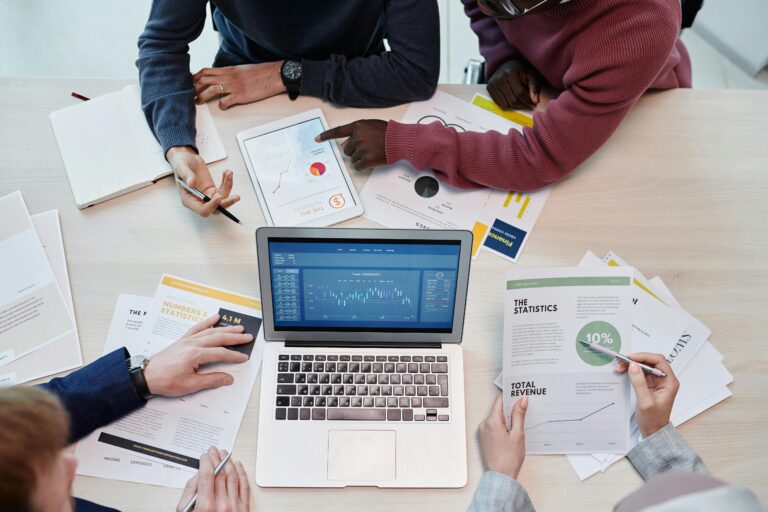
{"x":363,"y":285}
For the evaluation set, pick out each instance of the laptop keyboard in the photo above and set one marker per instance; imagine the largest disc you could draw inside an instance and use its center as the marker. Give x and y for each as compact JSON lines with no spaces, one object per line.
{"x":362,"y":387}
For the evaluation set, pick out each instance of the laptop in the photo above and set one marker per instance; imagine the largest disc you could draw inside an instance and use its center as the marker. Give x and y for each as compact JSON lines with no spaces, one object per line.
{"x":363,"y":379}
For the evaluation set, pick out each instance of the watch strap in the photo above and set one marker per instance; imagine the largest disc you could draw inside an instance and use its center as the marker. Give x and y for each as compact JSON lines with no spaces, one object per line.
{"x":293,"y":87}
{"x":139,"y":382}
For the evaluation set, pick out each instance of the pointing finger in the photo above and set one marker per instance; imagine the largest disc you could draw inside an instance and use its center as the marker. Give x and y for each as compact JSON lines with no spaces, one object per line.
{"x":336,"y":133}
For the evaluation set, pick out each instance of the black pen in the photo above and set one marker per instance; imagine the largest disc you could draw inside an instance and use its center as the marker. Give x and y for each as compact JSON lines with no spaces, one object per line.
{"x":204,"y":198}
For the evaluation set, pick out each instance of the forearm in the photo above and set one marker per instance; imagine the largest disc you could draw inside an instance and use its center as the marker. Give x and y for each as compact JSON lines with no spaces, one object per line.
{"x":665,"y":450}
{"x":96,"y":394}
{"x":409,"y":72}
{"x":500,"y":493}
{"x":563,"y":136}
{"x":167,"y":93}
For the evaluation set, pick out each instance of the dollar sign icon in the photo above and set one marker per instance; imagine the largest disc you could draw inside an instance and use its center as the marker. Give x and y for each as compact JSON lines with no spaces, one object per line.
{"x":337,"y":201}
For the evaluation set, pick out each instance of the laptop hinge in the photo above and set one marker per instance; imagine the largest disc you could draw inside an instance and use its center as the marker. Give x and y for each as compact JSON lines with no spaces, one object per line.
{"x":358,"y":344}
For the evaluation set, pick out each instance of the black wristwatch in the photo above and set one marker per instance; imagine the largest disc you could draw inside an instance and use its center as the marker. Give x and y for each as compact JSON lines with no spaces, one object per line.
{"x":290,"y":72}
{"x":136,"y":365}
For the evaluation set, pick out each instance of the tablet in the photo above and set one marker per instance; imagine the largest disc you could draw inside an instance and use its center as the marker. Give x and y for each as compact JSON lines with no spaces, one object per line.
{"x":299,"y":182}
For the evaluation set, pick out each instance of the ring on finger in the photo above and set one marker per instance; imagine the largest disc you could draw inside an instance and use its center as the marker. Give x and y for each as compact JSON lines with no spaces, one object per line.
{"x":221,"y":86}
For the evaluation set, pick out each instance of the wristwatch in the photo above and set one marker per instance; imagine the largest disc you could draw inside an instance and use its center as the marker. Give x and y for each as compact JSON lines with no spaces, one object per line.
{"x":136,"y":366}
{"x":290,"y":72}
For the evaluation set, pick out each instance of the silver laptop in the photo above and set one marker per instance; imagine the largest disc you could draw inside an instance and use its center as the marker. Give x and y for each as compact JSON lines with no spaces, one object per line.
{"x":363,"y":380}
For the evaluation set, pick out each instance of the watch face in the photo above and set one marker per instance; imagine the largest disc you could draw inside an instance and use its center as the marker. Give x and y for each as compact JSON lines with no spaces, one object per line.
{"x":136,"y":361}
{"x":292,"y":70}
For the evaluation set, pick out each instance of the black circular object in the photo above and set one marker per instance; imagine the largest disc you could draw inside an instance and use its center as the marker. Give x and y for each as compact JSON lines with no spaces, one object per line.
{"x":426,"y":186}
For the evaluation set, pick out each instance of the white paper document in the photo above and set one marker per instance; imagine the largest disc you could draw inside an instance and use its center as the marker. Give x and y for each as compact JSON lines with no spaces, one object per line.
{"x":695,"y":335}
{"x":161,"y":443}
{"x":399,"y":196}
{"x":64,"y":353}
{"x":33,"y":311}
{"x":577,"y":402}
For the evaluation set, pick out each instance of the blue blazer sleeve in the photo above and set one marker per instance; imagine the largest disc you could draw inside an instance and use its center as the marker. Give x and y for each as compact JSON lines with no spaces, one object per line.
{"x":96,"y":394}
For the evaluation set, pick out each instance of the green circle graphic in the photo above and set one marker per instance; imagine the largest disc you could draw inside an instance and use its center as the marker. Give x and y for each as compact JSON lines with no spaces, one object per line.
{"x":601,"y":333}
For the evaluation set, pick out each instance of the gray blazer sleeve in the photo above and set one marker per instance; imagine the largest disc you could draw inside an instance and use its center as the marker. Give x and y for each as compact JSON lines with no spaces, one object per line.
{"x":665,"y":450}
{"x":500,"y":493}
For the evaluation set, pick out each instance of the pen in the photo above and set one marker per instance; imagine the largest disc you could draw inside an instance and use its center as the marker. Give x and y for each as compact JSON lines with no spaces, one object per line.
{"x":204,"y":198}
{"x":623,"y":359}
{"x":80,"y":96}
{"x":215,"y":472}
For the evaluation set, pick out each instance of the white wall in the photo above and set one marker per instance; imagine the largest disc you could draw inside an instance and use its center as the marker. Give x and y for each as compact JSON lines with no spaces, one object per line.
{"x":97,"y":38}
{"x":83,"y":38}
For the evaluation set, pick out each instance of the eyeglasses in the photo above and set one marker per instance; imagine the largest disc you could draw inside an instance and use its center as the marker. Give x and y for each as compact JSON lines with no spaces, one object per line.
{"x":510,"y":9}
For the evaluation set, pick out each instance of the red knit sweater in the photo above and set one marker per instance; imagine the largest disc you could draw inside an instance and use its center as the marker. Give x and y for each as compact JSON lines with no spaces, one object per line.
{"x":602,"y":54}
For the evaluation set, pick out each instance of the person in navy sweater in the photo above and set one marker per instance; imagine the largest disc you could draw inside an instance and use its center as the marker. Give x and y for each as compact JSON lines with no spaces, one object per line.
{"x":37,"y":423}
{"x":334,"y":50}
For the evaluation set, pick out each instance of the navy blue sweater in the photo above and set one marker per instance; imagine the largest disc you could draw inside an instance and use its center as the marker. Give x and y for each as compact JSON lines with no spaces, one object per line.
{"x":339,"y":42}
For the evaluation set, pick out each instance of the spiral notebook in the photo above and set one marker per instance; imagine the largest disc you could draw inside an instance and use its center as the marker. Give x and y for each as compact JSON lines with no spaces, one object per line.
{"x":108,"y":149}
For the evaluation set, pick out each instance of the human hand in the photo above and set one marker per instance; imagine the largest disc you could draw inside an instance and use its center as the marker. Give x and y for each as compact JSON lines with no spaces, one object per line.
{"x":174,"y":370}
{"x":365,"y":145}
{"x":516,"y":84}
{"x":238,"y":84}
{"x":655,"y":395}
{"x":191,"y":168}
{"x":230,"y":491}
{"x":503,"y":450}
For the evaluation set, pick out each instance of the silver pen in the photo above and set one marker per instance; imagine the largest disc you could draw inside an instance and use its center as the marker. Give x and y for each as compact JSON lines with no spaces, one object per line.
{"x":216,"y":471}
{"x":623,"y":358}
{"x":204,"y":198}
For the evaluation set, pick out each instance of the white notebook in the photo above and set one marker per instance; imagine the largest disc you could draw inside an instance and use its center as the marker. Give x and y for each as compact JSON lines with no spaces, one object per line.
{"x":109,"y":150}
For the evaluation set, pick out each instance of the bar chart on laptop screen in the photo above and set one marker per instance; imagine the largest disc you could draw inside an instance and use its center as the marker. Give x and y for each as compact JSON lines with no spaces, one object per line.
{"x":354,"y":295}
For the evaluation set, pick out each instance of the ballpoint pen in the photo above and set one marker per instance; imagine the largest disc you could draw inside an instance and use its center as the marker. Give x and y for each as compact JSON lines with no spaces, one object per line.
{"x":204,"y":198}
{"x":215,"y":473}
{"x":623,"y":359}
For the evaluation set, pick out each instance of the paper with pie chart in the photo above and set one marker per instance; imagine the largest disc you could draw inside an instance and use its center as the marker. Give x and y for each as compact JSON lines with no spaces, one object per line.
{"x":577,"y":403}
{"x":399,"y":196}
{"x":299,"y":182}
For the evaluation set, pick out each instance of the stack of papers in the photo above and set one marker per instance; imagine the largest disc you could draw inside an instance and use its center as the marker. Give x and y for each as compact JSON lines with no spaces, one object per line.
{"x":161,"y":443}
{"x":661,"y":325}
{"x":399,"y":196}
{"x":698,"y":365}
{"x":38,"y":333}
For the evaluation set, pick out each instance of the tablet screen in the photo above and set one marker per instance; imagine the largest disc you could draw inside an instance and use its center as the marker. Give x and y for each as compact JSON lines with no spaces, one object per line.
{"x":300,"y":179}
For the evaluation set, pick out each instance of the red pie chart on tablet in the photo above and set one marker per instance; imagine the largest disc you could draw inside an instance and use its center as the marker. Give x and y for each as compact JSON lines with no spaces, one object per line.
{"x":317,"y":169}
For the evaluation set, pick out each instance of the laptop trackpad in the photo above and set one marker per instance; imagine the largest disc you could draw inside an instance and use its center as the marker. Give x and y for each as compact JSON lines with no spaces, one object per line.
{"x":364,"y":455}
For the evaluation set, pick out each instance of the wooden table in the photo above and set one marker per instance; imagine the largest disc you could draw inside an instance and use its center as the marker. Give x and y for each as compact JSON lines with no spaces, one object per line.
{"x":680,"y":191}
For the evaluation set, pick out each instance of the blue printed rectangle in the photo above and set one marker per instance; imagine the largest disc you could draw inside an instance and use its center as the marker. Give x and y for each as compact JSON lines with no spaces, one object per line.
{"x":505,"y":239}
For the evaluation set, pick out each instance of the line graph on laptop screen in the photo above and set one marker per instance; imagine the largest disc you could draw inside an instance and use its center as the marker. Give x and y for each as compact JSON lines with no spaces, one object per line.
{"x":348,"y":295}
{"x":368,"y":285}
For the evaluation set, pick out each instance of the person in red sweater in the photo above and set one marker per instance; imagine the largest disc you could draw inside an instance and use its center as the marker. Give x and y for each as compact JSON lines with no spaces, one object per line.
{"x":601,"y":54}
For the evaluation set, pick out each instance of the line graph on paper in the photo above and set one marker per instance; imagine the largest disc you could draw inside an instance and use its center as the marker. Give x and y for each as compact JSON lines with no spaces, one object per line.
{"x":579,"y":426}
{"x":571,"y":420}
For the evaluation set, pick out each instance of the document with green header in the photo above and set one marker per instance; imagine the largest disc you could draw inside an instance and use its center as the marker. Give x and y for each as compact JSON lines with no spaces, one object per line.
{"x":577,"y":403}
